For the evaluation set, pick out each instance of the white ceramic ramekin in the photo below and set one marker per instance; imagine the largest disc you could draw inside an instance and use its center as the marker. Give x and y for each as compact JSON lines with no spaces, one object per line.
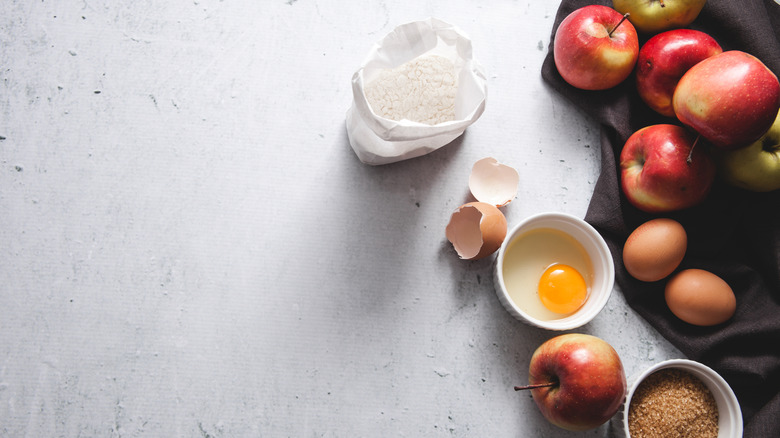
{"x":598,"y":252}
{"x":729,"y":413}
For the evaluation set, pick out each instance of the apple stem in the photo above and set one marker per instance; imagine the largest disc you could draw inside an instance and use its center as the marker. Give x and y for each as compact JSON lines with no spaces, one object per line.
{"x":689,"y":160}
{"x":625,"y":17}
{"x":538,"y":385}
{"x":662,"y":3}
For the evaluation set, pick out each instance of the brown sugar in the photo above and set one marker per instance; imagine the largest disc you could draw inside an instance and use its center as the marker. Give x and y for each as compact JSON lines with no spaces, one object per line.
{"x":672,"y":403}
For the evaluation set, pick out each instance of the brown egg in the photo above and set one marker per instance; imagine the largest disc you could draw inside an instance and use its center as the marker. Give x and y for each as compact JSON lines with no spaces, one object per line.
{"x":655,"y":249}
{"x":476,"y":230}
{"x":700,"y":297}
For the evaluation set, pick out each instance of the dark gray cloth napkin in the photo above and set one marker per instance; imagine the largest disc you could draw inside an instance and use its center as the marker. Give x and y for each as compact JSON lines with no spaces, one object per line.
{"x":734,"y":234}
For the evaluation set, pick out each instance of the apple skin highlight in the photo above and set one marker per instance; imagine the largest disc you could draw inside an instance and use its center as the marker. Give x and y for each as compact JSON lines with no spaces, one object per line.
{"x":662,"y":171}
{"x":589,"y":381}
{"x":595,"y":48}
{"x":731,"y":99}
{"x":650,"y":17}
{"x":664,"y":59}
{"x":755,"y":167}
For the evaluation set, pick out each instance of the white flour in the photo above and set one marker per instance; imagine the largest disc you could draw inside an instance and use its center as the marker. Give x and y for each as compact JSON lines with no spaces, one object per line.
{"x":422,"y":90}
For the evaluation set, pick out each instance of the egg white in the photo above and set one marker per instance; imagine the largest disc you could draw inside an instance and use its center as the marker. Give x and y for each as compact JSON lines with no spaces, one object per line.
{"x":529,"y":255}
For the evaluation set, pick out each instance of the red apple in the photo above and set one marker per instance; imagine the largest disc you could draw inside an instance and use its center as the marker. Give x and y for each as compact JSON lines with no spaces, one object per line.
{"x":664,"y":59}
{"x":577,"y":381}
{"x":731,"y":99}
{"x":662,"y":171}
{"x":595,"y":48}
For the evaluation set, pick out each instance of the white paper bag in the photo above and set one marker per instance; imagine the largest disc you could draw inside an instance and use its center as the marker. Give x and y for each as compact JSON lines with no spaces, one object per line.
{"x":377,"y":140}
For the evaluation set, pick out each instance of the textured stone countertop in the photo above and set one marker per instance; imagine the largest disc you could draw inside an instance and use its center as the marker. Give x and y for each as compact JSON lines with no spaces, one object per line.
{"x":190,"y":247}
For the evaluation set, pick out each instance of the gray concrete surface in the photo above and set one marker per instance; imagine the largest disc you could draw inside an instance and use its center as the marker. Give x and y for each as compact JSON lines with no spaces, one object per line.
{"x":189,"y":246}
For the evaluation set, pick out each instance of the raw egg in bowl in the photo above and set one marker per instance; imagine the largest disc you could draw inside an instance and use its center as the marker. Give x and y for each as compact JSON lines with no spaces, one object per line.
{"x":554,"y":271}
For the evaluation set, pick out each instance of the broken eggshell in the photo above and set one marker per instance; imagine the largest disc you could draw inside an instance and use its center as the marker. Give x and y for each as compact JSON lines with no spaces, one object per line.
{"x":492,"y":182}
{"x":476,"y":230}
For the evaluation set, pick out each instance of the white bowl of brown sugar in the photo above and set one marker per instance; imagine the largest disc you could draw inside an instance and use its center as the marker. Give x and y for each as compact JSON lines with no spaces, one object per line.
{"x":679,"y":398}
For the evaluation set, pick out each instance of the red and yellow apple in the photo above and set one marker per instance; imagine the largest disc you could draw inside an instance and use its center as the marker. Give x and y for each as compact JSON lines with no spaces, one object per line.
{"x":662,"y":171}
{"x":577,"y":381}
{"x":731,"y":99}
{"x":755,"y":167}
{"x":653,"y":16}
{"x":595,"y":48}
{"x":664,"y":59}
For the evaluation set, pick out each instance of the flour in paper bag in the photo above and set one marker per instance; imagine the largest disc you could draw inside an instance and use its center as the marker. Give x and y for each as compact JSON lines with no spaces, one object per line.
{"x":422,"y":90}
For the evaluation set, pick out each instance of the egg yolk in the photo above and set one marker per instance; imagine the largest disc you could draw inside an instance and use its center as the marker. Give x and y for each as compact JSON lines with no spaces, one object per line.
{"x":562,"y":289}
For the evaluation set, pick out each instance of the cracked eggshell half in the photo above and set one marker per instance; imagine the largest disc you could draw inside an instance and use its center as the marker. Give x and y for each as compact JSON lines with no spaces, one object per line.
{"x":476,"y":230}
{"x":492,"y":182}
